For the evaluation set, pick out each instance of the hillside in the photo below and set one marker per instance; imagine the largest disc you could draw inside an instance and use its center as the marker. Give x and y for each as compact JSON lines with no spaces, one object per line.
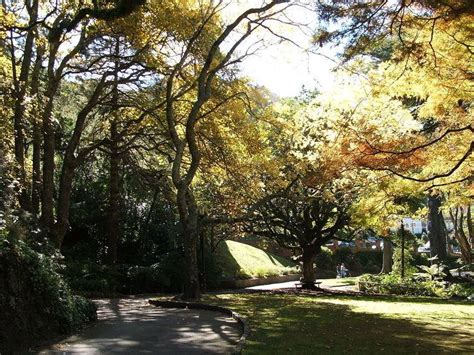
{"x":242,"y":261}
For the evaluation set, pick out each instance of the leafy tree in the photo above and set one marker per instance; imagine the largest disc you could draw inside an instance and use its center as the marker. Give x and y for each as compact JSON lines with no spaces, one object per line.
{"x":303,"y":218}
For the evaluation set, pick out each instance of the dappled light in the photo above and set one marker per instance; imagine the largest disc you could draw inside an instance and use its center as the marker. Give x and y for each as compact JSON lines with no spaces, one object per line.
{"x":306,"y":163}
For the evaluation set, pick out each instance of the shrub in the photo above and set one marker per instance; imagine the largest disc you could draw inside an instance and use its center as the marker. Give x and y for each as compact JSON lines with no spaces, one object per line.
{"x":93,"y":279}
{"x":36,"y":302}
{"x":394,"y":285}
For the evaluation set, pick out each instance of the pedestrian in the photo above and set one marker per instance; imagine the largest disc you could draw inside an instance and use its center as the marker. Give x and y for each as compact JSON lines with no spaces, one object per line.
{"x":344,"y":271}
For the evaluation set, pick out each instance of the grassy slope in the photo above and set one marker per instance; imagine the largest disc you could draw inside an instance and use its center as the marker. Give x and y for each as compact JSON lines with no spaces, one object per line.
{"x":322,"y":325}
{"x":243,"y":261}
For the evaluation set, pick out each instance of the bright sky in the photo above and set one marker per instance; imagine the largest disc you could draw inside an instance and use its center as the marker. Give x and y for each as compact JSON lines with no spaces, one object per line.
{"x":285,"y":68}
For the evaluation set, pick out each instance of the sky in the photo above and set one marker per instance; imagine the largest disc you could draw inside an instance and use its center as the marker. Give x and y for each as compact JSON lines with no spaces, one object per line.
{"x":285,"y":68}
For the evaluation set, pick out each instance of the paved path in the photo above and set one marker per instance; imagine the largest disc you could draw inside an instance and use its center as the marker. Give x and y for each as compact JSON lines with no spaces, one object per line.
{"x":131,"y":325}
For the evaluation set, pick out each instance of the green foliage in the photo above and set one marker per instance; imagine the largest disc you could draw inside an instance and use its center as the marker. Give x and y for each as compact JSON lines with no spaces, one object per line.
{"x":432,"y":272}
{"x":409,"y":257}
{"x":92,"y":278}
{"x":392,"y":284}
{"x":35,"y":300}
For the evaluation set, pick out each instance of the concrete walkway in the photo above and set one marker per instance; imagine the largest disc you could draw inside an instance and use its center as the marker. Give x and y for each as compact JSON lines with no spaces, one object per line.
{"x":131,"y":325}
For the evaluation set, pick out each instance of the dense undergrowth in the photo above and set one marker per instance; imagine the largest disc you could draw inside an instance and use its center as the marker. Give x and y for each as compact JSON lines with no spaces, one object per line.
{"x":35,"y":301}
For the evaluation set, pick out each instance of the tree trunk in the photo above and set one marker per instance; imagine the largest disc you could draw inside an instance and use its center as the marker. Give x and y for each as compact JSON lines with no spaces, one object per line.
{"x":47,"y":191}
{"x":387,"y":256}
{"x":437,"y":234}
{"x":65,"y":189}
{"x":470,"y":228}
{"x":402,"y":232}
{"x":113,"y":220}
{"x":308,"y":258}
{"x":36,"y":176}
{"x":458,"y":221}
{"x":21,"y":86}
{"x":189,"y":221}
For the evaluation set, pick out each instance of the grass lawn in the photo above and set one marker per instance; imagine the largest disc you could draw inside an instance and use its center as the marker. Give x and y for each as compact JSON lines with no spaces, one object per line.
{"x":321,"y":325}
{"x":239,"y":260}
{"x":347,"y":281}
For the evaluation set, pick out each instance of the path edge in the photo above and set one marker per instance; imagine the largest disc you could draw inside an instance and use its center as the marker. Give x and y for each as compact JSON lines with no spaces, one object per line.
{"x":209,"y":307}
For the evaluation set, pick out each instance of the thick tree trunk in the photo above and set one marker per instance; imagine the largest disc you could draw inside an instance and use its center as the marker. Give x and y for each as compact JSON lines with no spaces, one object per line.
{"x":387,"y":256}
{"x":189,"y":221}
{"x":192,"y":288}
{"x":436,"y":228}
{"x":308,"y":258}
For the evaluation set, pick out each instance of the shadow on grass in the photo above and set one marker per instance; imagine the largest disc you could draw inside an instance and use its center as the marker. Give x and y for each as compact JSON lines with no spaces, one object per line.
{"x":285,"y":323}
{"x":227,"y":261}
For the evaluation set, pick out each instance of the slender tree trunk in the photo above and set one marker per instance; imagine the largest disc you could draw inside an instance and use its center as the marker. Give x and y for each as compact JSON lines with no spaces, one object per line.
{"x":470,"y":228}
{"x":402,"y":232}
{"x":47,"y":190}
{"x":458,"y":219}
{"x":387,"y":256}
{"x":36,"y":176}
{"x":21,"y":87}
{"x":436,"y":228}
{"x":113,"y":220}
{"x":65,"y":189}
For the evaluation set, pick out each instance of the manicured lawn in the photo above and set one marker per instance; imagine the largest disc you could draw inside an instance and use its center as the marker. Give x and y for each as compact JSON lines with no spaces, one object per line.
{"x":239,"y":260}
{"x":321,"y":325}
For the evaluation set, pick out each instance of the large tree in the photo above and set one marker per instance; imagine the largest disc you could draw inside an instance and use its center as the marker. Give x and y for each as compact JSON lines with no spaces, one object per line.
{"x":303,"y":218}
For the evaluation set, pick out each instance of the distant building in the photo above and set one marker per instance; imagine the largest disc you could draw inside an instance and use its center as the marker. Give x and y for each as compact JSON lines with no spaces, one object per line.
{"x":415,"y":226}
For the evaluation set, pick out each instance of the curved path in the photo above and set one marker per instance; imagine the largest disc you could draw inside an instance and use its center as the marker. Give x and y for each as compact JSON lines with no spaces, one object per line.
{"x":131,"y":326}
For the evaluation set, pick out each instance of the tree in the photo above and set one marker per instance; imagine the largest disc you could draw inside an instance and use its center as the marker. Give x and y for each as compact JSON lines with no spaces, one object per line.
{"x":200,"y":63}
{"x":425,"y":66}
{"x":303,"y":218}
{"x":55,"y":31}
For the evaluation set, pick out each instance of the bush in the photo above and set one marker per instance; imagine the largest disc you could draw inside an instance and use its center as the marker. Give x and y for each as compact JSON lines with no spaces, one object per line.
{"x":392,"y":284}
{"x":36,"y":302}
{"x":93,"y":279}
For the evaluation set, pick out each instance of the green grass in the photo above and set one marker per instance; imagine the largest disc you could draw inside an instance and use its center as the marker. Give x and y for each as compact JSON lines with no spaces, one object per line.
{"x":335,"y":325}
{"x":347,"y":281}
{"x":240,"y":260}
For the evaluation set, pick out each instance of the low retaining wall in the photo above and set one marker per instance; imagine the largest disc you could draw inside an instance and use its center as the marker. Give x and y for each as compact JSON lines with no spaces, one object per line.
{"x":260,"y":281}
{"x":208,"y":307}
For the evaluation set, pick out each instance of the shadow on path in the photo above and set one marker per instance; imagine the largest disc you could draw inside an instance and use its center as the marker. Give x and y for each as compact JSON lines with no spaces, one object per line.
{"x":131,"y":326}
